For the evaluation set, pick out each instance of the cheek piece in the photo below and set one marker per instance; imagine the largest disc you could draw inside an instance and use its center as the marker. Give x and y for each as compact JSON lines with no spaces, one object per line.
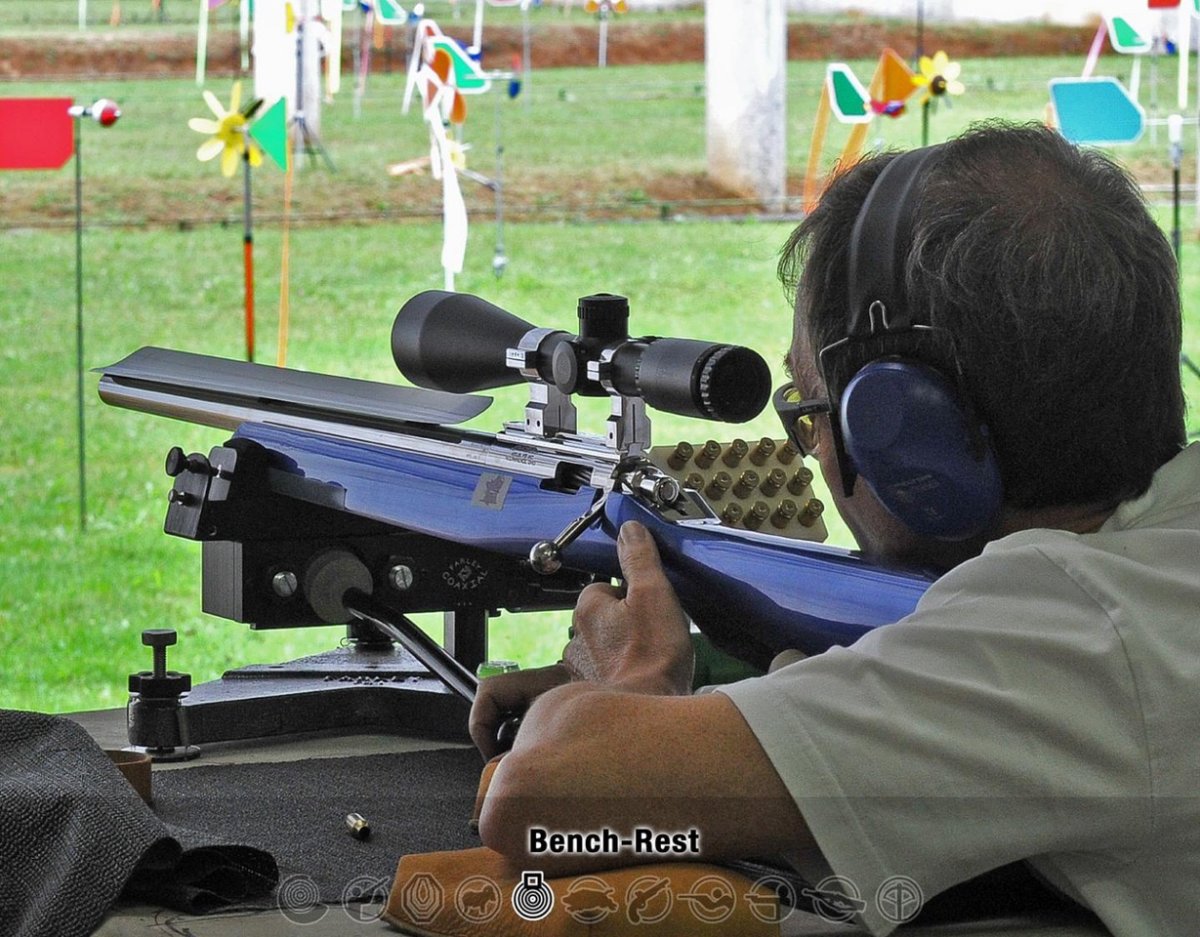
{"x":911,"y":440}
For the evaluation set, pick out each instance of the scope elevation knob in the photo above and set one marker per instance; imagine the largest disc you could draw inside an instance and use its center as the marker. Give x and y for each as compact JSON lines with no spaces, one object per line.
{"x":603,"y":317}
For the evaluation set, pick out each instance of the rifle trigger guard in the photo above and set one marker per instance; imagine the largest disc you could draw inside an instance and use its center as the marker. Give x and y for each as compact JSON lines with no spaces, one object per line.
{"x":546,"y":555}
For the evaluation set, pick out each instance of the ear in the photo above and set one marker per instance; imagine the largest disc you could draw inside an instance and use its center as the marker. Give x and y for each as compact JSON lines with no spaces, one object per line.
{"x":913,"y":442}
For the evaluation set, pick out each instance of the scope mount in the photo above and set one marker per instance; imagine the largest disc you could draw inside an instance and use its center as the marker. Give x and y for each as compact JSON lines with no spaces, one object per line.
{"x":581,"y":364}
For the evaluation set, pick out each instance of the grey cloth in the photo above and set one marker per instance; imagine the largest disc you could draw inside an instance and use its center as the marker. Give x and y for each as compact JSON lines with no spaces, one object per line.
{"x":74,"y":835}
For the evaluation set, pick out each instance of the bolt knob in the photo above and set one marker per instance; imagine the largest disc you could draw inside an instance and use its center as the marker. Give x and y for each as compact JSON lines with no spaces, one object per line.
{"x":176,"y":461}
{"x":159,"y":637}
{"x":545,"y":557}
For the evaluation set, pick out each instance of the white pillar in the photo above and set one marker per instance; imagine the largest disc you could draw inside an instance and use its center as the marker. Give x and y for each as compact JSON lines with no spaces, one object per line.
{"x":274,"y":55}
{"x":745,"y":77}
{"x":310,"y":57}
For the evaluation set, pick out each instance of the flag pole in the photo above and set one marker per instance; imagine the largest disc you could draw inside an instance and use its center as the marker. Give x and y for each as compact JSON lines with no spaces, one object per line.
{"x":248,"y":255}
{"x":79,"y":327}
{"x":105,"y":113}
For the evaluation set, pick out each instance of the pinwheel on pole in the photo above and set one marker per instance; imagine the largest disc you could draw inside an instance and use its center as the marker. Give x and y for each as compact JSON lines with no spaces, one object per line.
{"x":444,"y":105}
{"x":844,"y":97}
{"x":441,"y":72}
{"x":939,"y":77}
{"x":603,"y":10}
{"x":231,"y":138}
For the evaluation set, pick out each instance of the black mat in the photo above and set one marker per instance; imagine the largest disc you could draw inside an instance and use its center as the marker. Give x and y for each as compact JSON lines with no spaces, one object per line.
{"x":415,"y":802}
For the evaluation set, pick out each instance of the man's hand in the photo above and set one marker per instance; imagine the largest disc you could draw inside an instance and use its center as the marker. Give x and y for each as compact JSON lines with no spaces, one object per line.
{"x":635,"y":638}
{"x":509,"y":694}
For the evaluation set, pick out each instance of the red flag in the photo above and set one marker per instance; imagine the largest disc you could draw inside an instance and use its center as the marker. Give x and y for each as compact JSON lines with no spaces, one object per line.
{"x":36,"y":133}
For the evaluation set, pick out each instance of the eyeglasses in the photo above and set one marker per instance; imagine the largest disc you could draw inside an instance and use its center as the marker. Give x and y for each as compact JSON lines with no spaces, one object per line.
{"x":797,"y":414}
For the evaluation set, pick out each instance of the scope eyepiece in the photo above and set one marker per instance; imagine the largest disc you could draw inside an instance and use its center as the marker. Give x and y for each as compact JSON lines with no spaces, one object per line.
{"x":461,"y":343}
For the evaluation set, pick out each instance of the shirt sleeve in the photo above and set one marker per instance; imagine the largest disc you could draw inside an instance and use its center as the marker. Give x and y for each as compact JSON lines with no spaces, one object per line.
{"x":998,"y":722}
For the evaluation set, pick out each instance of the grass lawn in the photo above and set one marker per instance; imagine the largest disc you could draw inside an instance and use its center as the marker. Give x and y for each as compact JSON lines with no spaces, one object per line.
{"x":73,"y":604}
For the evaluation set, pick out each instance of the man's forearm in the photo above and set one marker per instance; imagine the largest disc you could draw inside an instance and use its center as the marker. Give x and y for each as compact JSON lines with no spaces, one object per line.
{"x":590,"y":759}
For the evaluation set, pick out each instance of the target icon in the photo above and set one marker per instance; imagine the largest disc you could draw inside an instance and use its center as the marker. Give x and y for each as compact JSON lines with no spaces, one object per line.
{"x":299,"y":900}
{"x":532,"y":899}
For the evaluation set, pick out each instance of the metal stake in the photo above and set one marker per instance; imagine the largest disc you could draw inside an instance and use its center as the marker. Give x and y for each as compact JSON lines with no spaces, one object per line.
{"x":79,"y":325}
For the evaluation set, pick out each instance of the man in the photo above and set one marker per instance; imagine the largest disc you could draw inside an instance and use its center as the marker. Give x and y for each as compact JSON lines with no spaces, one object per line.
{"x":1040,"y":704}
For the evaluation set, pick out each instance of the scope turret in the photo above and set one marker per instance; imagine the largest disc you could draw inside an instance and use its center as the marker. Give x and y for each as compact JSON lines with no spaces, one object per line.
{"x":461,"y":343}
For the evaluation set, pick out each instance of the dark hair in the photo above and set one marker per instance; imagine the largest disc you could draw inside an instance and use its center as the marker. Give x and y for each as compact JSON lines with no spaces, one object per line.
{"x":1061,"y":293}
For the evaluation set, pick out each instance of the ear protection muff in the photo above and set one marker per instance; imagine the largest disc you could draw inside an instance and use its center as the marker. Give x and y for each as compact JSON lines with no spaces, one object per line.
{"x":899,"y":416}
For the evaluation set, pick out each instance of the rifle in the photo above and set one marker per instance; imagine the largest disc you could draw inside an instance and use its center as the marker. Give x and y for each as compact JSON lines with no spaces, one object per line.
{"x":349,"y":501}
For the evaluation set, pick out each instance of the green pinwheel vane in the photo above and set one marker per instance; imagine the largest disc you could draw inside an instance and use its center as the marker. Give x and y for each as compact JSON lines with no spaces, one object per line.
{"x":237,"y":136}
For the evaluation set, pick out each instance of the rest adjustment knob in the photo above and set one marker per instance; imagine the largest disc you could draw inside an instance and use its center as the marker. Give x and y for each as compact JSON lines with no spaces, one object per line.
{"x":159,"y":683}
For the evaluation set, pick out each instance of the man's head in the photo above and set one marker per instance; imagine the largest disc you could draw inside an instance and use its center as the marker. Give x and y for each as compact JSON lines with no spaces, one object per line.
{"x":1059,"y":291}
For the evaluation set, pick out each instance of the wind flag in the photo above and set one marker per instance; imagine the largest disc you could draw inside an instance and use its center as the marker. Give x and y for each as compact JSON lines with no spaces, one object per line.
{"x":1096,"y":111}
{"x":36,"y":133}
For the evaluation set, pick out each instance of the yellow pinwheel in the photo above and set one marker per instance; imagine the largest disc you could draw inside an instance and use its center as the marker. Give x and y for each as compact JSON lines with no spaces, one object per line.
{"x":229,"y":133}
{"x":938,"y":76}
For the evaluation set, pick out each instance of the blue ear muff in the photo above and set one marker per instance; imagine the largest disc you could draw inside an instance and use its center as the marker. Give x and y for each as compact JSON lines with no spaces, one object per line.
{"x":912,"y":442}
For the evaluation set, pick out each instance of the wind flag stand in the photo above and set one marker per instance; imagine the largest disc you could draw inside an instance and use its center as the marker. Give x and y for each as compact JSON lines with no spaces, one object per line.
{"x":442,"y":72}
{"x":1091,"y":110}
{"x":205,"y":9}
{"x":306,"y":134}
{"x":939,"y":77}
{"x":844,"y":97}
{"x":40,"y":133}
{"x":231,"y":138}
{"x":248,"y":252}
{"x":525,"y":65}
{"x":105,"y":113}
{"x":1175,"y":138}
{"x":603,"y":10}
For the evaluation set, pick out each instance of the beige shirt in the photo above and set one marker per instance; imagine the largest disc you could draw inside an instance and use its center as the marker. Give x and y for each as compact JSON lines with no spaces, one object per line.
{"x":1042,"y":703}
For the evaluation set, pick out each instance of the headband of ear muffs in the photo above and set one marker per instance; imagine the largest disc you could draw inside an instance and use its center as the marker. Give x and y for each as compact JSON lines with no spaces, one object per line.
{"x":900,"y":420}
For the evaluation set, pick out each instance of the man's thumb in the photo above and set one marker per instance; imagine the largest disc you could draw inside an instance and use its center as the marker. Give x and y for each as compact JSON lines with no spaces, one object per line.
{"x":638,"y":555}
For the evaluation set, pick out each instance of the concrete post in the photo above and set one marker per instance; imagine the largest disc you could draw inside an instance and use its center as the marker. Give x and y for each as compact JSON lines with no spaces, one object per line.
{"x":745,"y":78}
{"x":282,"y":69}
{"x":274,"y":55}
{"x":309,"y":65}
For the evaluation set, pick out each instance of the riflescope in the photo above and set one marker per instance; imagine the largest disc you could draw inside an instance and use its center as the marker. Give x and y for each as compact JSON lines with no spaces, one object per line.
{"x":461,"y":343}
